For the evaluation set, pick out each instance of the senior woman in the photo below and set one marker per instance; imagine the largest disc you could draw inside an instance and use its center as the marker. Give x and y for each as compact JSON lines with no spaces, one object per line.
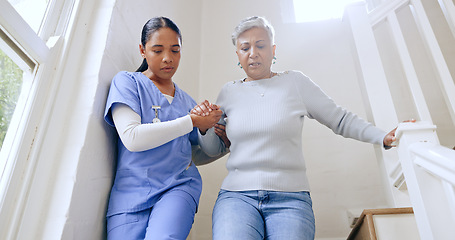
{"x":266,"y":192}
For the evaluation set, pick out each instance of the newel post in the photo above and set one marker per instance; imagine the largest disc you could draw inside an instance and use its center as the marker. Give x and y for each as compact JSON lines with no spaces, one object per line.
{"x":407,"y":135}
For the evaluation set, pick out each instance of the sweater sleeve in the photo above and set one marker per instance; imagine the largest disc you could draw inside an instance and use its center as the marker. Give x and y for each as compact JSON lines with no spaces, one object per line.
{"x":347,"y":124}
{"x":140,"y":137}
{"x":201,"y":158}
{"x":210,"y":143}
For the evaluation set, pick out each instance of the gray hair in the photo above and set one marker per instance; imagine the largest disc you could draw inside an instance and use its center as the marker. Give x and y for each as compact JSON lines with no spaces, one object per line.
{"x":251,"y":22}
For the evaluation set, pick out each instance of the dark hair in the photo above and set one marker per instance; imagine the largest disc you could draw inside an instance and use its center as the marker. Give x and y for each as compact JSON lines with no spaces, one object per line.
{"x":151,"y":26}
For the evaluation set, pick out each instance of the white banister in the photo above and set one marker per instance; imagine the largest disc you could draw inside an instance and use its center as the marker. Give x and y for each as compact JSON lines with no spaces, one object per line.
{"x":380,"y":12}
{"x":429,"y":170}
{"x":376,"y":94}
{"x":423,"y":170}
{"x":435,"y":159}
{"x":446,"y":82}
{"x":448,"y":8}
{"x":408,"y":68}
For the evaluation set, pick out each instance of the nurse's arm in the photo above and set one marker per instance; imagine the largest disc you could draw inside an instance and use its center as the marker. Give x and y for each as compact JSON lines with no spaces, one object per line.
{"x":138,"y":137}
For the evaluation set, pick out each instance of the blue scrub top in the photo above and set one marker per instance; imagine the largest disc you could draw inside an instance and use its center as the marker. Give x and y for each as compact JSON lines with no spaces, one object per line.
{"x":142,"y":177}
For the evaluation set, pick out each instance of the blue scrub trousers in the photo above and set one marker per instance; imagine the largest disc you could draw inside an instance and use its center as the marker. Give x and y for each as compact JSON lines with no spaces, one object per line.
{"x":170,"y":218}
{"x":270,"y":215}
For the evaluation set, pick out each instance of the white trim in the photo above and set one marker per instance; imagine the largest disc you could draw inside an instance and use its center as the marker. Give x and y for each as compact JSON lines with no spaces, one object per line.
{"x":57,"y":19}
{"x":27,"y":64}
{"x":20,"y":168}
{"x":381,"y":12}
{"x":22,"y":33}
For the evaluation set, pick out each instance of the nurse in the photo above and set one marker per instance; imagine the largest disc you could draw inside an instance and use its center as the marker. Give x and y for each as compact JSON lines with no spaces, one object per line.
{"x":157,"y":186}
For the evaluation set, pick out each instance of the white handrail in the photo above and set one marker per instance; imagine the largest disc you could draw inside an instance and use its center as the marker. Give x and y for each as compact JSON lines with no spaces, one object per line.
{"x":429,"y":171}
{"x":436,"y":159}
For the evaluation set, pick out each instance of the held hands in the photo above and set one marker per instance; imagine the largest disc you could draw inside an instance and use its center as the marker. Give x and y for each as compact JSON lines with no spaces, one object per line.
{"x":205,"y":115}
{"x":204,"y":108}
{"x":207,"y":109}
{"x":390,"y":138}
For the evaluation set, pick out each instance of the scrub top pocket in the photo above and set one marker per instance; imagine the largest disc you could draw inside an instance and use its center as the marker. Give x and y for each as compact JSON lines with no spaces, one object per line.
{"x":184,"y":145}
{"x":133,"y":185}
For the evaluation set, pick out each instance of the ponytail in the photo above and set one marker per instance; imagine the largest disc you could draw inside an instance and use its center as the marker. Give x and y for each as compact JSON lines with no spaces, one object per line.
{"x":144,"y":66}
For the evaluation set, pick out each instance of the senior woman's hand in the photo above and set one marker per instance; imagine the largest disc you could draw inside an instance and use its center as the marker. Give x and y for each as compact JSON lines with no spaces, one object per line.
{"x":390,"y":137}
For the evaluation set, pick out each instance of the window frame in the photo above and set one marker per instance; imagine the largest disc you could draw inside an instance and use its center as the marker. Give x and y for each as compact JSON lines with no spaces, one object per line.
{"x":21,"y":145}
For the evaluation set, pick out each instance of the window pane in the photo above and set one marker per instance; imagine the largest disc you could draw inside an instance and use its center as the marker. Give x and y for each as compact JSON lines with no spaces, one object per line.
{"x":32,"y":11}
{"x":319,"y":10}
{"x":10,"y":86}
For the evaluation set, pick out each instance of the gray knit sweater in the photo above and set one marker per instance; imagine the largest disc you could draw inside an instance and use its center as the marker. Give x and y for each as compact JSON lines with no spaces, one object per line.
{"x":264,"y":121}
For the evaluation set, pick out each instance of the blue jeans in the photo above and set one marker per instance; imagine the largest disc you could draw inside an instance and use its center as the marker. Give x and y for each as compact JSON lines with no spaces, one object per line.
{"x":263,"y":215}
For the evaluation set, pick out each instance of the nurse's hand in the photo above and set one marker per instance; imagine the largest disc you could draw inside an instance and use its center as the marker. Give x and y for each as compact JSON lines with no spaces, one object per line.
{"x":207,"y":121}
{"x":204,"y":108}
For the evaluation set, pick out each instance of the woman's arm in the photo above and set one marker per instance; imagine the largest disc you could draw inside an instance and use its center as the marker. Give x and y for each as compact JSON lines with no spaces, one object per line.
{"x":323,"y":109}
{"x":140,"y":137}
{"x":214,"y":140}
{"x":211,"y":144}
{"x":201,"y":158}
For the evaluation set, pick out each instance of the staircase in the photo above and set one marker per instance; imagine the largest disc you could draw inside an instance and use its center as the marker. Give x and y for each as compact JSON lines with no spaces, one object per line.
{"x":406,"y":60}
{"x":389,"y":223}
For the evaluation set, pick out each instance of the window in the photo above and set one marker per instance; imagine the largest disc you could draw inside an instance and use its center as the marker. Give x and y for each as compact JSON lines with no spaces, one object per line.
{"x":32,"y":35}
{"x":10,"y":86}
{"x":21,"y":51}
{"x":32,"y":11}
{"x":318,"y":10}
{"x":31,"y":45}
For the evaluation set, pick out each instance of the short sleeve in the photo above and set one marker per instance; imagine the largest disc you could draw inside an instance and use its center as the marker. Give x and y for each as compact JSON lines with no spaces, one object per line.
{"x":123,"y":89}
